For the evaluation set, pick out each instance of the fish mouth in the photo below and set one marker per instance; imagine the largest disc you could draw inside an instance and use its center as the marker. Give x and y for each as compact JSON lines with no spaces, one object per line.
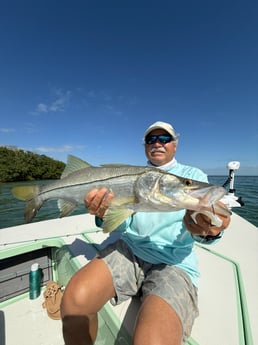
{"x":208,"y":192}
{"x":208,"y":196}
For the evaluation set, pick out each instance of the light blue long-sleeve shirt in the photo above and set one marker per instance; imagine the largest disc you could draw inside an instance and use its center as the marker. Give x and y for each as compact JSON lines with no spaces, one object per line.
{"x":161,"y":237}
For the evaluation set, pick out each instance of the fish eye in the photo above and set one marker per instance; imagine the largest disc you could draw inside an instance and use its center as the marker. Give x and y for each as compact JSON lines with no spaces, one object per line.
{"x":188,"y":182}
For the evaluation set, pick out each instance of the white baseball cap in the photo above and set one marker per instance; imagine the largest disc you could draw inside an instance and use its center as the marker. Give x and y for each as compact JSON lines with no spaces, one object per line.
{"x":163,"y":125}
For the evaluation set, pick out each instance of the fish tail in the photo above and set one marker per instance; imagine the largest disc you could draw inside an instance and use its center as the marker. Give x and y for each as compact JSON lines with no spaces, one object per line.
{"x":29,"y":194}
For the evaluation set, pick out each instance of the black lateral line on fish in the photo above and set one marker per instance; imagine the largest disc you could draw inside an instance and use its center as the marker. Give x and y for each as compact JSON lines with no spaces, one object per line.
{"x":91,"y":182}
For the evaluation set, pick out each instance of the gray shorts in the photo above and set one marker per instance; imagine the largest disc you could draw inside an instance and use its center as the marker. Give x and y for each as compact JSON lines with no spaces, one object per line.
{"x":133,"y":276}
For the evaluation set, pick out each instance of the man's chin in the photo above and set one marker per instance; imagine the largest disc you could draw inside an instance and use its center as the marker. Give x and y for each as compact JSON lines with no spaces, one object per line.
{"x":157,"y":161}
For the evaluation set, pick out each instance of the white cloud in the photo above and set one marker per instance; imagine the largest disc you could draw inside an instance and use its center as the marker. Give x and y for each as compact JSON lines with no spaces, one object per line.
{"x":57,"y":105}
{"x":64,"y":148}
{"x":59,"y":149}
{"x":42,"y":108}
{"x":7,"y":130}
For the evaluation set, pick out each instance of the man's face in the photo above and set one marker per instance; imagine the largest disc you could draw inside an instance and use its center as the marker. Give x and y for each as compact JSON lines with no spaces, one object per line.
{"x":160,"y":153}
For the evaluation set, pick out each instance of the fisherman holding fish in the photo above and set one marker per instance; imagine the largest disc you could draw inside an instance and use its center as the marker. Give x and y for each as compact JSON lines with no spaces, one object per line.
{"x":154,"y":259}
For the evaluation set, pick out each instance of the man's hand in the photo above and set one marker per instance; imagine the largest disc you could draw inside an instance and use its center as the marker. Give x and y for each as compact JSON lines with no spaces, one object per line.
{"x":203,"y":226}
{"x":97,"y":201}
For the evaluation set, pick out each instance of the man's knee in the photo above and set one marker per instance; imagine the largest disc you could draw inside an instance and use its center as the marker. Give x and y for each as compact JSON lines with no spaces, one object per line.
{"x":88,"y":290}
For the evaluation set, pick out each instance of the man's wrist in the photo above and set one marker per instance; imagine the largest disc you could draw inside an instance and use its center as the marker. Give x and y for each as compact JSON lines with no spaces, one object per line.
{"x":209,"y":238}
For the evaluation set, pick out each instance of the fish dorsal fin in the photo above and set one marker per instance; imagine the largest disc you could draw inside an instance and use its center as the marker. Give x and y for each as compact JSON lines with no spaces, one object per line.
{"x":116,"y":165}
{"x":74,"y":164}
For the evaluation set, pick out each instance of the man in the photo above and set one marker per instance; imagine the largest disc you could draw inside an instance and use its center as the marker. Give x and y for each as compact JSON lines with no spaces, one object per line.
{"x":153,"y":258}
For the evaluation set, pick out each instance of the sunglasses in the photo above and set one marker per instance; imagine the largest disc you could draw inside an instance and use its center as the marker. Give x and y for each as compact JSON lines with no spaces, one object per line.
{"x":162,"y":138}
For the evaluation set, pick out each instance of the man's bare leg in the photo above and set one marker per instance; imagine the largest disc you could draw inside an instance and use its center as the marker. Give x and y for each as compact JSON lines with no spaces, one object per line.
{"x":157,"y":324}
{"x":88,"y":290}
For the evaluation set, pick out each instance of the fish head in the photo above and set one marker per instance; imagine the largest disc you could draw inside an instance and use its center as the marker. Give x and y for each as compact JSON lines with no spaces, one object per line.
{"x":188,"y":193}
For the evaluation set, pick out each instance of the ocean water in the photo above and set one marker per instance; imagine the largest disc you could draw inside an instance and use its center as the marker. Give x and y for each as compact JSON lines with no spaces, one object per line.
{"x":247,"y":188}
{"x":12,"y":210}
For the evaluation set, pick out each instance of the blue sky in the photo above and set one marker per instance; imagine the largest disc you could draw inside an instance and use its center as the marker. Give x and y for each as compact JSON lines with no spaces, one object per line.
{"x":87,"y":77}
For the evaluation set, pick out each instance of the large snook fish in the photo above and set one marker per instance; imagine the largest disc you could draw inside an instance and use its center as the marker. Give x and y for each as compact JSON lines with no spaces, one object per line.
{"x":135,"y":189}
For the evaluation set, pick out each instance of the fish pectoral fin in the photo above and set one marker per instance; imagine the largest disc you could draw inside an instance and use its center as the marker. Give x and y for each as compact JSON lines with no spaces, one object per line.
{"x":114,"y":217}
{"x":66,"y":207}
{"x":119,"y":201}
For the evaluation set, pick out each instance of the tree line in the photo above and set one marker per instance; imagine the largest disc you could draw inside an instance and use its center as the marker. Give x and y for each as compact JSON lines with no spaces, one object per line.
{"x":20,"y":165}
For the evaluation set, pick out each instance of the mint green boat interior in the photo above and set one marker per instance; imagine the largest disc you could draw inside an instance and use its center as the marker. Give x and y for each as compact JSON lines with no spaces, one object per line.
{"x":244,"y":329}
{"x":57,"y":264}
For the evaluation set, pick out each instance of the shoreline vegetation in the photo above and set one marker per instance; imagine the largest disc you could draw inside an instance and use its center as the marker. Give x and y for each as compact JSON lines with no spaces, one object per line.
{"x":18,"y":165}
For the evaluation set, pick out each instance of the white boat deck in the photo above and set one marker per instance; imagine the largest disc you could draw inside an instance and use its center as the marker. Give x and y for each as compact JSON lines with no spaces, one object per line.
{"x":27,"y":323}
{"x":228,"y":286}
{"x":227,"y":289}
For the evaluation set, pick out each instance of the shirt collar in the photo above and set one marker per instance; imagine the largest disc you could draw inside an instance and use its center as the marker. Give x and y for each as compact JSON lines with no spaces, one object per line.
{"x":166,"y":166}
